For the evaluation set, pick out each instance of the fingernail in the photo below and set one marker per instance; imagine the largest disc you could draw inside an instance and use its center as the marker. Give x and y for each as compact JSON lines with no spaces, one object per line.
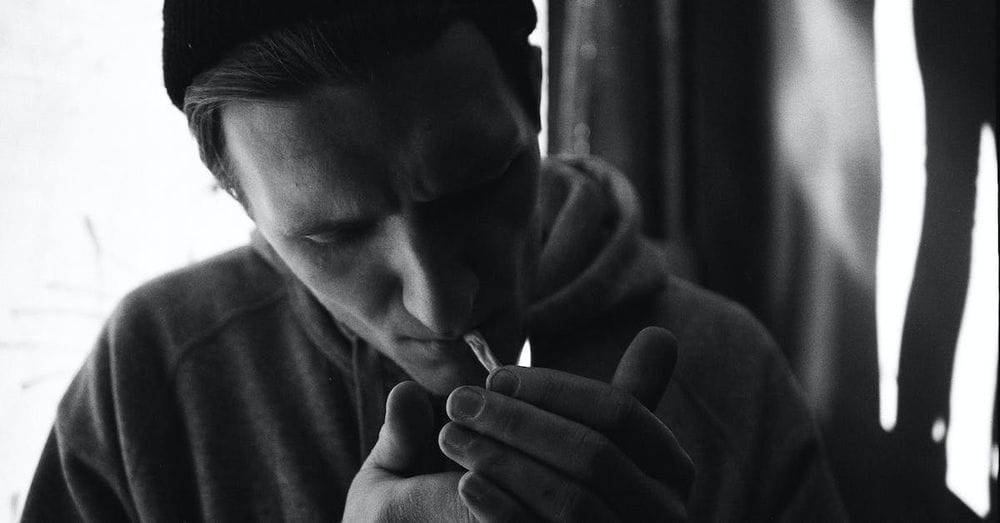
{"x":457,"y":438}
{"x":504,"y":382}
{"x":465,"y":403}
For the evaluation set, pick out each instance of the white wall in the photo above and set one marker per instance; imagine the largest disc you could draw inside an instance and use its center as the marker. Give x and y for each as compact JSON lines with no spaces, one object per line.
{"x":100,"y":189}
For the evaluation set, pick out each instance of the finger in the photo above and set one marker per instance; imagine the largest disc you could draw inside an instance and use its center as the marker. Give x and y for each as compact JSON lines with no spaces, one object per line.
{"x":580,"y":453}
{"x":646,"y":366}
{"x":637,"y":432}
{"x":489,"y":503}
{"x":407,"y":432}
{"x":542,"y":490}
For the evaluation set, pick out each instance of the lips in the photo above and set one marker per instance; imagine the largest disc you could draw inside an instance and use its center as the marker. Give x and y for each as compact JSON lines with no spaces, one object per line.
{"x":443,"y":347}
{"x":447,"y":347}
{"x":482,"y":317}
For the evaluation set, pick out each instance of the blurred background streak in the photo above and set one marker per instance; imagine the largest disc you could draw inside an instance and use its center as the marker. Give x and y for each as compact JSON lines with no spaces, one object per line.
{"x":830,"y":164}
{"x":818,"y":161}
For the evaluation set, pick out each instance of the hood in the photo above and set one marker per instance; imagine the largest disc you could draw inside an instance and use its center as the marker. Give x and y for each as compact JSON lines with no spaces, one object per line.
{"x":594,"y":257}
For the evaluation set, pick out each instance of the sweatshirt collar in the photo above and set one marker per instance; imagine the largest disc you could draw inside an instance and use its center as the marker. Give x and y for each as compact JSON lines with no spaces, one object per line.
{"x":594,"y":257}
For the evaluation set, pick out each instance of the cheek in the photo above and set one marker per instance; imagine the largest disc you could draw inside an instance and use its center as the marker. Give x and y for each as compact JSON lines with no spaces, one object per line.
{"x":517,"y":200}
{"x":341,"y":283}
{"x":505,"y":224}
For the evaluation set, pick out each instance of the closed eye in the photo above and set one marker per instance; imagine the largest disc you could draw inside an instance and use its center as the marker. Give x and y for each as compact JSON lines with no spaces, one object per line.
{"x":342,"y":234}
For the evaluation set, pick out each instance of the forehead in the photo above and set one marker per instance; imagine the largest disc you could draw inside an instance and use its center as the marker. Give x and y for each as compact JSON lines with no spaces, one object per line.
{"x":415,"y":128}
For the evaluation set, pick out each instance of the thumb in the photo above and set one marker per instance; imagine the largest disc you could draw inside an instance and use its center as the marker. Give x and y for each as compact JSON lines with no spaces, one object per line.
{"x":407,"y":431}
{"x":646,"y":366}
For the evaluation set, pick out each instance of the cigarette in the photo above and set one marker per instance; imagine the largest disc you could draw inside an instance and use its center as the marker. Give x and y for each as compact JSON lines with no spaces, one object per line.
{"x":481,"y":350}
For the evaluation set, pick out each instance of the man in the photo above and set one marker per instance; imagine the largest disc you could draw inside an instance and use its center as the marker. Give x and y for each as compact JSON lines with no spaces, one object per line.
{"x":387,"y":154}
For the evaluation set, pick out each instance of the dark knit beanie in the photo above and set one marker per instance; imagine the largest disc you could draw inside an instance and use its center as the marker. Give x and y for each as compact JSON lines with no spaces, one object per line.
{"x":197,"y":34}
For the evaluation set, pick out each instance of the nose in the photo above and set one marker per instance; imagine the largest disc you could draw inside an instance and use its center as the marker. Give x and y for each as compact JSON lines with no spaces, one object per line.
{"x":438,"y":289}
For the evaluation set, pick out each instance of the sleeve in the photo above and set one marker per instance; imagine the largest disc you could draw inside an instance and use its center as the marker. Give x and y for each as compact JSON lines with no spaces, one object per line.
{"x":741,"y":415}
{"x":794,"y":480}
{"x":81,"y":476}
{"x":68,"y":488}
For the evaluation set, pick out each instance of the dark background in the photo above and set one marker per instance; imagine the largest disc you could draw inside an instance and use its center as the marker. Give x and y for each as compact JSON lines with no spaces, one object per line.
{"x":697,"y":102}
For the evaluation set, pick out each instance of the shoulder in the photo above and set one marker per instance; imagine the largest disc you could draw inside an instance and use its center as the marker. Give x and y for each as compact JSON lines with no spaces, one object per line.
{"x":719,"y":342}
{"x":199,"y":295}
{"x":176,"y":310}
{"x":728,"y":363}
{"x":715,"y":333}
{"x":122,"y":407}
{"x":701,"y":314}
{"x":738,"y":411}
{"x":154,"y":327}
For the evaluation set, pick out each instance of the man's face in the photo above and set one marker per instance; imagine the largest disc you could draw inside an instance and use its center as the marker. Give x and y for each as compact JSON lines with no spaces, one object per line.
{"x":405,"y":204}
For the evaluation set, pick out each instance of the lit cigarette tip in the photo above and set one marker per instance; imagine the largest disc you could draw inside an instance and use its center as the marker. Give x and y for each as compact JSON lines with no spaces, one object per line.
{"x":480,"y":348}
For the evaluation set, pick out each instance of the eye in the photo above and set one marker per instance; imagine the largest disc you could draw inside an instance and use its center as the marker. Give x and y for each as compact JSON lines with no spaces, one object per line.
{"x":489,"y":186}
{"x":344,"y":234}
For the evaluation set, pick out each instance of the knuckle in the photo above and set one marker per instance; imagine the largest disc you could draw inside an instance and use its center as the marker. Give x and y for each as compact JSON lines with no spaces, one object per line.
{"x":623,"y":408}
{"x":509,"y":422}
{"x":618,"y":409}
{"x":553,"y":391}
{"x":596,"y":455}
{"x":485,"y":455}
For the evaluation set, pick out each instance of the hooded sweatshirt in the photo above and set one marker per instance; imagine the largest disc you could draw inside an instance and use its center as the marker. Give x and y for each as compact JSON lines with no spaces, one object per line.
{"x":225,"y":391}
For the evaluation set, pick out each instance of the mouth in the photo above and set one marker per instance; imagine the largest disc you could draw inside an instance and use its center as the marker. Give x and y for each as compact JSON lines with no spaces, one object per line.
{"x":441,"y":363}
{"x":450,"y":359}
{"x":471,"y":347}
{"x":480,"y":322}
{"x":496,"y":326}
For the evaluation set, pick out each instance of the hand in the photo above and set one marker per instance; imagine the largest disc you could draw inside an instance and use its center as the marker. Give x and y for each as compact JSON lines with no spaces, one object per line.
{"x":544,"y":444}
{"x":389,"y":486}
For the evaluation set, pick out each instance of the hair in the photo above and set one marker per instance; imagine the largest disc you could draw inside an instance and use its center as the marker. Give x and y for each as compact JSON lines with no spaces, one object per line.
{"x":291,"y":60}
